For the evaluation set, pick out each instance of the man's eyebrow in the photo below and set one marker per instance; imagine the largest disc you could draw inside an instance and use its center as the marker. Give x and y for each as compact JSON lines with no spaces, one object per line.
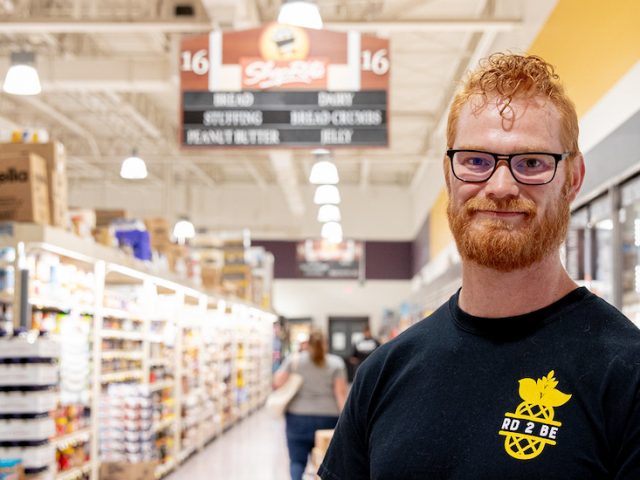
{"x":523,"y":149}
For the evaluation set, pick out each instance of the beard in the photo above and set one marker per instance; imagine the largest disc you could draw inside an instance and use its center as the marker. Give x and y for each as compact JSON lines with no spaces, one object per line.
{"x":503,"y":246}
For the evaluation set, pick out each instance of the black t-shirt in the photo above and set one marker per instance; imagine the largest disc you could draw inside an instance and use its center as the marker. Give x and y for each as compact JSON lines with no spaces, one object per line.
{"x":551,"y":394}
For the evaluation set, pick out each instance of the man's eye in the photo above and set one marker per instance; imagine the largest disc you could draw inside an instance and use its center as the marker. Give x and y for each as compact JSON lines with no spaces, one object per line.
{"x":477,"y":162}
{"x":531,"y":163}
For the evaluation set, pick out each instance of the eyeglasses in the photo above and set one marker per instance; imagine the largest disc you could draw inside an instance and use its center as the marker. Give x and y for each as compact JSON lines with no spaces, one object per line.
{"x":532,"y":168}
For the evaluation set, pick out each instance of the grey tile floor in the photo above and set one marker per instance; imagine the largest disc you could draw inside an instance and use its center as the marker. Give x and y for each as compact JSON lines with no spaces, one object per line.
{"x":254,"y":449}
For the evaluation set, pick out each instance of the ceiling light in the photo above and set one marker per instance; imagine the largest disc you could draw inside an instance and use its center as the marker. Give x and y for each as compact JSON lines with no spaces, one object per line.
{"x":329,"y":213}
{"x":324,"y":172}
{"x":133,"y":168}
{"x":22,"y":77}
{"x":302,"y":13}
{"x":332,"y":231}
{"x":183,"y":230}
{"x":326,"y":194}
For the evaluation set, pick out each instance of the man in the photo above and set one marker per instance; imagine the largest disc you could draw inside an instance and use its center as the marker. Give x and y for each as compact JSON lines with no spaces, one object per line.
{"x":521,"y":374}
{"x":363,"y":348}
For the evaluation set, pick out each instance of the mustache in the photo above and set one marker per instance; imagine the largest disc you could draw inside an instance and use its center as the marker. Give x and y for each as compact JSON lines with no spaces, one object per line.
{"x":521,"y":205}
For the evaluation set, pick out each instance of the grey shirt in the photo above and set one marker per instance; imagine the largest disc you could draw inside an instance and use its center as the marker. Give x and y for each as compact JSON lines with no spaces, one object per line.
{"x":315,"y":397}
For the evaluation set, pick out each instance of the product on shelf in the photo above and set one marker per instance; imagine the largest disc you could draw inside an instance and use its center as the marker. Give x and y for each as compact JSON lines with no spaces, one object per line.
{"x":28,"y":375}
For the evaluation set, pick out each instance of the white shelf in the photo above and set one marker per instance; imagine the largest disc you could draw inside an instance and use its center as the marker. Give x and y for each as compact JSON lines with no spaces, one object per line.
{"x":6,"y":297}
{"x":162,"y":470}
{"x":72,"y":438}
{"x":74,"y":472}
{"x":124,"y":354}
{"x":154,"y":387}
{"x":158,"y":427}
{"x":158,"y":362}
{"x":156,"y":338}
{"x":120,"y":334}
{"x":182,"y":456}
{"x":122,"y":314}
{"x":121,"y":376}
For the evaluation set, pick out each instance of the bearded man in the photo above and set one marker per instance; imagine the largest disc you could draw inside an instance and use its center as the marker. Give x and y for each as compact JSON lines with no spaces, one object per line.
{"x":521,"y":374}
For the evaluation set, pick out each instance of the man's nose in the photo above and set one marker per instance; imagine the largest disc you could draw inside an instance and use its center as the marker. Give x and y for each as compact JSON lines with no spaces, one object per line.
{"x":502,"y":184}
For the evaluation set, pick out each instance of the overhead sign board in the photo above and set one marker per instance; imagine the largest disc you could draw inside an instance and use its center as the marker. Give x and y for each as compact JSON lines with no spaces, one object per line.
{"x":284,"y":86}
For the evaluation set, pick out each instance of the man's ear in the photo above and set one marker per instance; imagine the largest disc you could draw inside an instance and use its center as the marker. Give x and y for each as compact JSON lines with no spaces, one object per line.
{"x":577,"y":175}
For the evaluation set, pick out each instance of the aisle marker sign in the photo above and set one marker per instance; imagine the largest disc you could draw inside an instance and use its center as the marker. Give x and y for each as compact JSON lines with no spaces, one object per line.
{"x":281,"y":85}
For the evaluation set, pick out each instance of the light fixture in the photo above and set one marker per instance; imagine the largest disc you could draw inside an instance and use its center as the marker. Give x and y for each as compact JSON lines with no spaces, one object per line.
{"x":302,"y":13}
{"x":133,"y":167}
{"x":22,"y":77}
{"x":332,"y":231}
{"x":329,"y":213}
{"x":326,"y":194}
{"x":324,"y":172}
{"x":183,"y":230}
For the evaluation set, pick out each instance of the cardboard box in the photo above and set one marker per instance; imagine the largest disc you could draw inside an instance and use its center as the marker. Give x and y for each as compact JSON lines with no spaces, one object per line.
{"x":105,"y":217}
{"x":54,"y":155}
{"x":211,"y":277}
{"x":24,"y":193}
{"x":159,"y":232}
{"x":128,"y":471}
{"x":323,"y":439}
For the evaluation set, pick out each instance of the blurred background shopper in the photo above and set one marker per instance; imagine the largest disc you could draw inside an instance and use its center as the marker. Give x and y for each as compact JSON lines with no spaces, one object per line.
{"x":318,"y":402}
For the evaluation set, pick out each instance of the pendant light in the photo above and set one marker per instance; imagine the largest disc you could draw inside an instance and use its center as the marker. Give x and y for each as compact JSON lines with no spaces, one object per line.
{"x":22,"y":77}
{"x":301,"y":13}
{"x":329,"y":213}
{"x":332,"y":232}
{"x":133,"y":167}
{"x":326,"y":194}
{"x":183,"y":230}
{"x":324,"y":172}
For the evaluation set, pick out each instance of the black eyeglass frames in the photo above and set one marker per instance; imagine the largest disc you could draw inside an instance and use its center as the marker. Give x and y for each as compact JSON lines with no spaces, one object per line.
{"x":530,"y":168}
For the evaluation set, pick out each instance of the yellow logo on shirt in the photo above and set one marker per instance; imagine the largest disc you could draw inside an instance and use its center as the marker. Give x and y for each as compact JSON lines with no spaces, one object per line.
{"x":531,"y":427}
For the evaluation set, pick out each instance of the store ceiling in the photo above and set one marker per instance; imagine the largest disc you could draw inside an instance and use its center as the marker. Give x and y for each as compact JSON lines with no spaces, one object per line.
{"x":110,"y":78}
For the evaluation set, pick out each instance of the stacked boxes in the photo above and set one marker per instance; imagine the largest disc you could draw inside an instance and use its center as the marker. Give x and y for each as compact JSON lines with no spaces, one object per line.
{"x":126,"y":424}
{"x":24,"y":191}
{"x":159,"y":233}
{"x":56,"y":172}
{"x":236,"y":274}
{"x":28,"y":373}
{"x":322,"y":441}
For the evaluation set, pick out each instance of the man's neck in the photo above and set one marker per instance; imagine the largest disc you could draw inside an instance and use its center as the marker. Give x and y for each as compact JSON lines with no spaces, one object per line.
{"x":493,"y":294}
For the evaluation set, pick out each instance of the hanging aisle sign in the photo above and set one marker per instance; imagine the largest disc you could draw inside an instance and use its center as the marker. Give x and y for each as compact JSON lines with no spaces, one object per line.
{"x":282,"y":85}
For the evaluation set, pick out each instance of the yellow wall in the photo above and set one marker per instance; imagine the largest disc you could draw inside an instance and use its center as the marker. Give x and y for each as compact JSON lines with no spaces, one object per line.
{"x":592,"y":44}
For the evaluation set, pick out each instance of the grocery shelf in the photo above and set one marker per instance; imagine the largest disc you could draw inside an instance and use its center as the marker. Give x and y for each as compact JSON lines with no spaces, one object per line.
{"x":198,"y":343}
{"x":124,"y":354}
{"x":6,"y":297}
{"x":162,"y":470}
{"x":156,"y":362}
{"x":72,"y":438}
{"x":121,"y":334}
{"x":121,"y":376}
{"x":74,"y":473}
{"x":154,"y":387}
{"x":161,"y":425}
{"x":123,"y":314}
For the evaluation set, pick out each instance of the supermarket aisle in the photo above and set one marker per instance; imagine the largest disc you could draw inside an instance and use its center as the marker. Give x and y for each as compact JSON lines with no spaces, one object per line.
{"x":254,"y":449}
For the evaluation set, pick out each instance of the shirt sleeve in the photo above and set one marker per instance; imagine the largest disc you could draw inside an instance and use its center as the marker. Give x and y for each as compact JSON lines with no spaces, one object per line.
{"x":347,"y":457}
{"x":285,"y":366}
{"x":340,"y":370}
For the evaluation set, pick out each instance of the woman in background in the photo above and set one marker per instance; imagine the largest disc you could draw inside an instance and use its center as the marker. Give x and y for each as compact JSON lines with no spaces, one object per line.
{"x":319,"y":401}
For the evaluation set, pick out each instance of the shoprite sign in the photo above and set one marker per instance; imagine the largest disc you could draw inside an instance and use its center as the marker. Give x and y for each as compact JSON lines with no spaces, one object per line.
{"x":284,"y":86}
